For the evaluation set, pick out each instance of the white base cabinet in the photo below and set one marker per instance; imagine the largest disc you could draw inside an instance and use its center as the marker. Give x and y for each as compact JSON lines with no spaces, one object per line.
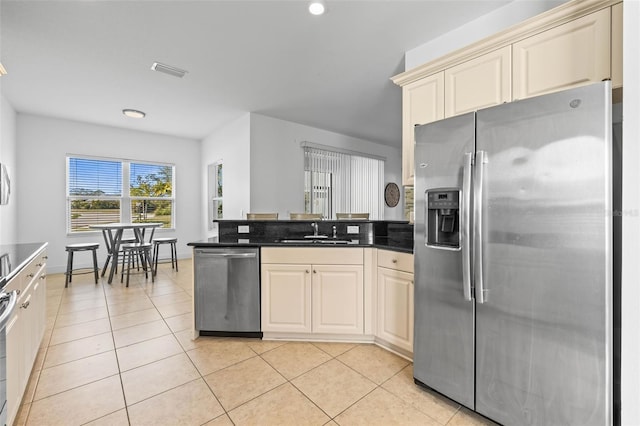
{"x":25,"y":329}
{"x":395,"y":300}
{"x":312,"y":290}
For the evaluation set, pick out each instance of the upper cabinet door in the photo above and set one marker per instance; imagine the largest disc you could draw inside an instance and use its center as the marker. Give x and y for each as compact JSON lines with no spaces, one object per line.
{"x":570,"y":55}
{"x":479,"y":83}
{"x":422,"y":102}
{"x":616,"y":46}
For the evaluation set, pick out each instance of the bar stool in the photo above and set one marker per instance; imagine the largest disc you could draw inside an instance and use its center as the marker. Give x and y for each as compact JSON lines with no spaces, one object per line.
{"x":156,"y":248}
{"x":72,"y":248}
{"x":136,"y":250}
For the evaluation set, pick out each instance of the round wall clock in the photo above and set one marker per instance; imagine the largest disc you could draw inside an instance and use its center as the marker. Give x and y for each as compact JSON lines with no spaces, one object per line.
{"x":391,"y":194}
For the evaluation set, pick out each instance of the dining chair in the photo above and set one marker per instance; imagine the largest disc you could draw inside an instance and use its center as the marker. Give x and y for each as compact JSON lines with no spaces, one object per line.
{"x":136,"y":250}
{"x":262,"y":216}
{"x":349,"y":216}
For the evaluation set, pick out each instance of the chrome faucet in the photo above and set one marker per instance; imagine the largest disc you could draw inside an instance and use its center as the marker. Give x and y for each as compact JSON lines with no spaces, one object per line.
{"x":314,"y":225}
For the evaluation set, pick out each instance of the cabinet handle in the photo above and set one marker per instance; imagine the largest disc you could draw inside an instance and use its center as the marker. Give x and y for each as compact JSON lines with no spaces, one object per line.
{"x":394,"y":260}
{"x":306,"y":271}
{"x":25,"y":305}
{"x":43,"y":276}
{"x":30,"y":276}
{"x":39,"y":264}
{"x":314,"y":271}
{"x":45,"y":257}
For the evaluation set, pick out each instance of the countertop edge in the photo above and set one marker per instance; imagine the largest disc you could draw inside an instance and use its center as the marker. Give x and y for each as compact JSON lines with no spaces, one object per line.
{"x":229,"y":244}
{"x":15,"y":271}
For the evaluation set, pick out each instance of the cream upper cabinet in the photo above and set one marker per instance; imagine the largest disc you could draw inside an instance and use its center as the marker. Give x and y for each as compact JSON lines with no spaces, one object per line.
{"x":566,"y":56}
{"x":479,"y":83}
{"x":338,"y":299}
{"x":616,"y":46}
{"x":422,"y":102}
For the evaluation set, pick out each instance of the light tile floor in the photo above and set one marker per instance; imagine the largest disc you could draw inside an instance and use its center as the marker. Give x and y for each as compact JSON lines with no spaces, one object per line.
{"x":113,"y":355}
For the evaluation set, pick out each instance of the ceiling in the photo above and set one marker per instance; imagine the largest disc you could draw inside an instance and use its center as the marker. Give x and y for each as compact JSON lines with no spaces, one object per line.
{"x":86,"y":60}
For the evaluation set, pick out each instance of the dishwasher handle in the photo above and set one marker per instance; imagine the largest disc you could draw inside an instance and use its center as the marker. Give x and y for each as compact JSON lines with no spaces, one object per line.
{"x":241,"y":255}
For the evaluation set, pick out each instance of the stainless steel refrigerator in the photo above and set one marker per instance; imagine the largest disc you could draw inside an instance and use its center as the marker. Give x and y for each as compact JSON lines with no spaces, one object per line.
{"x":513,"y":259}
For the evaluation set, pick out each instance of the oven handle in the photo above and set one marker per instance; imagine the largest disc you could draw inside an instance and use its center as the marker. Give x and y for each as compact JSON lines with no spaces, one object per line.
{"x":10,"y":299}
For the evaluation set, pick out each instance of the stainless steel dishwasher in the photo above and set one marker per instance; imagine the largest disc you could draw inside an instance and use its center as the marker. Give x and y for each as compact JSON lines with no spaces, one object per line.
{"x":227,"y":291}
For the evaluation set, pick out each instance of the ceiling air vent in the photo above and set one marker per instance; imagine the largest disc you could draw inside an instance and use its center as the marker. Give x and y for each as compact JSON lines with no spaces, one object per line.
{"x":167,"y":69}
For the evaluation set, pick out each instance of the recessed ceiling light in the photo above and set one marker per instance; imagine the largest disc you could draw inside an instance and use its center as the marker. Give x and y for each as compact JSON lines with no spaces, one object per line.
{"x":133,"y":113}
{"x":317,"y":7}
{"x":168,"y":69}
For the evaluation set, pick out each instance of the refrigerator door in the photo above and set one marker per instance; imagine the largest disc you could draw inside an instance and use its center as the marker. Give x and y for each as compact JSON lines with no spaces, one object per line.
{"x":444,"y":325}
{"x":544,"y":332}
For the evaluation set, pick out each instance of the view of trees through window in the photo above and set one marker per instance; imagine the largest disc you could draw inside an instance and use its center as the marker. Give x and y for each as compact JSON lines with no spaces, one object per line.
{"x":96,"y":194}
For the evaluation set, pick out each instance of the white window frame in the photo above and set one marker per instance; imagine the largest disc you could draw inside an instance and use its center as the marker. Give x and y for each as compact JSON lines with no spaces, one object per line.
{"x":214,"y":200}
{"x":125,"y":198}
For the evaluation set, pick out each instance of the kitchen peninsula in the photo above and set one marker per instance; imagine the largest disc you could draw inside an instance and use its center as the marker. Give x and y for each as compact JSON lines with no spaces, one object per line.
{"x":349,"y":281}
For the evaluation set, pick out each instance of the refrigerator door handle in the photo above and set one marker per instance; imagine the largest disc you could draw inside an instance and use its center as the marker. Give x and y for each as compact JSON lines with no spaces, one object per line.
{"x":465,"y":224}
{"x":481,"y":159}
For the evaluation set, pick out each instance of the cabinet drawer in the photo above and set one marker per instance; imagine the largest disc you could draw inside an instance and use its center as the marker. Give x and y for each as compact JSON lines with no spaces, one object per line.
{"x":313,"y":255}
{"x":395,"y":260}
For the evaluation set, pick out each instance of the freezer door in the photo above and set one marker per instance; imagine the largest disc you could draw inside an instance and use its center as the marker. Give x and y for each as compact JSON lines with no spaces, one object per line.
{"x":543,"y":335}
{"x":443,"y":332}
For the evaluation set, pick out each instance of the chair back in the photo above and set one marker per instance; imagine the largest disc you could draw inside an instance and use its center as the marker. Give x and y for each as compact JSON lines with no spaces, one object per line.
{"x":305,"y":216}
{"x":262,"y":216}
{"x":350,"y":216}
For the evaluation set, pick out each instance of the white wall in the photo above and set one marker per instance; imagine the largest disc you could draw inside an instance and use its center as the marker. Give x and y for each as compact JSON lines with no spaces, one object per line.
{"x":8,"y":212}
{"x":42,"y":146}
{"x":489,"y":24}
{"x":277,"y":167}
{"x":231,"y":145}
{"x":631,"y":218}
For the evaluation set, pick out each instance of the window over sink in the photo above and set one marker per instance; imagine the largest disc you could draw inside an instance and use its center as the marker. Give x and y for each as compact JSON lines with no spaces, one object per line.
{"x":338,"y":181}
{"x":97,"y":193}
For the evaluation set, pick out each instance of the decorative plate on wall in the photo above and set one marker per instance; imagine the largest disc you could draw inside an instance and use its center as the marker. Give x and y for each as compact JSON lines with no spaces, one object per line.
{"x":391,"y":194}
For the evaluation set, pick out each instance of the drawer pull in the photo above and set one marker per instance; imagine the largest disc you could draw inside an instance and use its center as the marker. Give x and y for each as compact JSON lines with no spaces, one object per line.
{"x":30,"y":275}
{"x":314,"y":271}
{"x":45,"y":257}
{"x":25,"y":305}
{"x":39,"y":264}
{"x":306,"y":271}
{"x":43,"y":276}
{"x":394,"y":260}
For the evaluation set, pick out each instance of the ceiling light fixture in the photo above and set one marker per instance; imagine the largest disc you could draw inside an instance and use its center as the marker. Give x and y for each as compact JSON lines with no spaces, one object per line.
{"x":3,"y":71}
{"x":133,"y":113}
{"x":168,"y":69}
{"x":317,"y":7}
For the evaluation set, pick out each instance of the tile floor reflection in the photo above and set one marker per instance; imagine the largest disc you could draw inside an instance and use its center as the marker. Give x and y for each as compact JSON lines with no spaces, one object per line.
{"x":114,"y":355}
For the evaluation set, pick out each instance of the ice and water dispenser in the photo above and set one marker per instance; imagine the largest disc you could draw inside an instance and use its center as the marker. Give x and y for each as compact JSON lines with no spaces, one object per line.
{"x":443,"y":218}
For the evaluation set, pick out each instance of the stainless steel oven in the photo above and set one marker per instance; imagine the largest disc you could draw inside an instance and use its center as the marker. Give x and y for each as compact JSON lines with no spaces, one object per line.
{"x":7,"y":304}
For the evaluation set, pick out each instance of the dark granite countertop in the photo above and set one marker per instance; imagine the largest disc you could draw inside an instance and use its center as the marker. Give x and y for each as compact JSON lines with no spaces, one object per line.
{"x":14,"y":257}
{"x":389,"y":235}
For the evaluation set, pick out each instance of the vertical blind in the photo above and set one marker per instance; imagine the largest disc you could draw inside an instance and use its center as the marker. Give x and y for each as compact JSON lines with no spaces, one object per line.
{"x":337,"y":182}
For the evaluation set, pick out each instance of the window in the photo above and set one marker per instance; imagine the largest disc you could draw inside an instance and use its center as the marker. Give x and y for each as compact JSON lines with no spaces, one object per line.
{"x":96,"y":192}
{"x":215,"y":192}
{"x":341,"y":182}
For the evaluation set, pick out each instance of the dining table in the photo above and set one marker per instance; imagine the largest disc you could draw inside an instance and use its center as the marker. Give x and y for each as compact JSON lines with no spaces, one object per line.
{"x":113,"y":232}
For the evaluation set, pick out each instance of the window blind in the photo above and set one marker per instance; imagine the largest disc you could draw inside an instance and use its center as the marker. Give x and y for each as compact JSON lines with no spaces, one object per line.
{"x":339,"y":182}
